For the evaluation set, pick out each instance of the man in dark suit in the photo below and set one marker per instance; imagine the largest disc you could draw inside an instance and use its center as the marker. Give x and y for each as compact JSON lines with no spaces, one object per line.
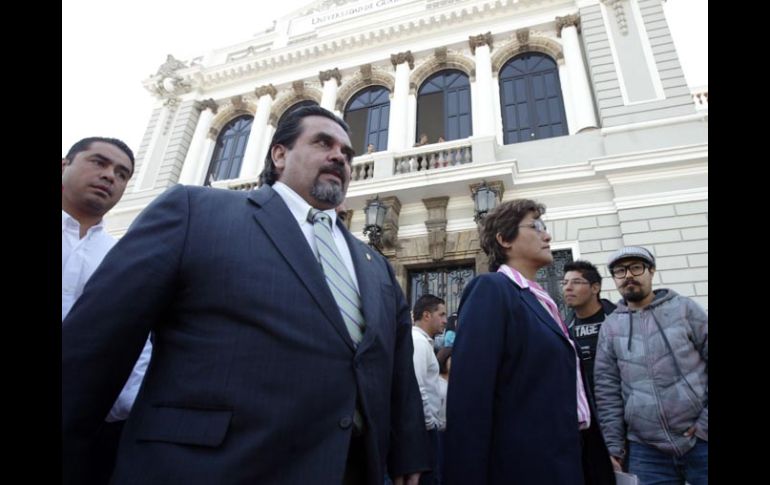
{"x":517,"y":405}
{"x":261,"y":372}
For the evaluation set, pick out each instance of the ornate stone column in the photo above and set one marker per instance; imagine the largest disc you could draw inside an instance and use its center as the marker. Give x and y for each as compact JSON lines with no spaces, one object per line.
{"x":193,"y":159}
{"x":402,"y":62}
{"x":483,"y":117}
{"x":436,"y":225}
{"x":253,"y":159}
{"x":208,"y":150}
{"x":331,"y":80}
{"x":580,"y":90}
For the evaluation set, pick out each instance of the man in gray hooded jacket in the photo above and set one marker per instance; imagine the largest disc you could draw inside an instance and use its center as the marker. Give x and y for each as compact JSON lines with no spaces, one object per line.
{"x":651,"y":376}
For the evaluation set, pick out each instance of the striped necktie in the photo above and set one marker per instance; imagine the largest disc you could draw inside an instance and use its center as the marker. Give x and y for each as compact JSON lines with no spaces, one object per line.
{"x":337,"y":275}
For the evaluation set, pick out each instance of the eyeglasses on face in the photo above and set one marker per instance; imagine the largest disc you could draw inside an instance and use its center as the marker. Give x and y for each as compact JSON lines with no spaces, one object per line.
{"x":636,"y":269}
{"x":537,"y":225}
{"x":574,"y":282}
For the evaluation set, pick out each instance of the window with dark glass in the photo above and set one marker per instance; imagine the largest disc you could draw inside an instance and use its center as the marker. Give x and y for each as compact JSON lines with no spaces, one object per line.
{"x":368,"y":114}
{"x":307,"y":102}
{"x":444,"y":107}
{"x":446,"y":282}
{"x":530,"y":98}
{"x":229,"y":149}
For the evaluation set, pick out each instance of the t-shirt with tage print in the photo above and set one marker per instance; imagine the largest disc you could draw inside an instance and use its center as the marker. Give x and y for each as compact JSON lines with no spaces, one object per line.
{"x":586,"y":334}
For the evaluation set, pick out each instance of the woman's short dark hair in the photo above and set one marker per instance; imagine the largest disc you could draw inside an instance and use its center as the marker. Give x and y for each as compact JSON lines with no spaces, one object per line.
{"x":286,"y":134}
{"x":505,"y":219}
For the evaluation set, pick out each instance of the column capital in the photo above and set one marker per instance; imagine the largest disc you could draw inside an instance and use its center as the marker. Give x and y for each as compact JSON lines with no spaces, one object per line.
{"x":324,"y":76}
{"x":209,"y":104}
{"x":479,"y":40}
{"x":572,"y":20}
{"x":397,"y":59}
{"x":266,"y":89}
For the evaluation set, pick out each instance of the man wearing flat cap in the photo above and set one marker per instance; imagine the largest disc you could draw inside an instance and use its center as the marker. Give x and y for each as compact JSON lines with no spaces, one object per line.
{"x":651,"y":376}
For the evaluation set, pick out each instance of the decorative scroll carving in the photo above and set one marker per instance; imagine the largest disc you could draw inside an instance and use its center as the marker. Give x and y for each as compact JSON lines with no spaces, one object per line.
{"x":479,"y":40}
{"x":436,"y":225}
{"x":397,"y":59}
{"x":209,"y":104}
{"x":567,"y":21}
{"x":331,"y":73}
{"x":266,"y":89}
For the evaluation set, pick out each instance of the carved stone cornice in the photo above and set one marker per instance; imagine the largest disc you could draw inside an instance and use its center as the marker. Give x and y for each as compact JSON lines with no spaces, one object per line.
{"x":401,"y":57}
{"x":567,"y":21}
{"x":533,"y":42}
{"x":237,"y":102}
{"x":209,"y":104}
{"x":367,"y":76}
{"x":366,"y":72}
{"x":329,"y":74}
{"x":440,"y":54}
{"x":522,"y":36}
{"x":436,"y":225}
{"x":266,"y":89}
{"x":452,"y":60}
{"x":479,"y":40}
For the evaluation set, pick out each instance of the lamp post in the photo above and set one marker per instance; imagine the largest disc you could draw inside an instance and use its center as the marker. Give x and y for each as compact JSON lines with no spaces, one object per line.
{"x":484,"y":200}
{"x":375,"y":220}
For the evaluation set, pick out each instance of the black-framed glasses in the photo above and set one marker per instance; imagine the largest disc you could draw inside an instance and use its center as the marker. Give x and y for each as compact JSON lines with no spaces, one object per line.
{"x":574,"y":282}
{"x":537,"y":225}
{"x":636,"y":269}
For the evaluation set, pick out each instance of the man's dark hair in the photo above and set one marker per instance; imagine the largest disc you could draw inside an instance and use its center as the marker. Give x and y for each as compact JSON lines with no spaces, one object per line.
{"x":286,"y":134}
{"x":505,"y":219}
{"x":85,"y":144}
{"x":425,"y":303}
{"x":587,"y":269}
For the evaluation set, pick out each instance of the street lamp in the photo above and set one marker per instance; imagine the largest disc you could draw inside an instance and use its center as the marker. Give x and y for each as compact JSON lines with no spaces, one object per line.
{"x":375,"y":220}
{"x":484,"y":200}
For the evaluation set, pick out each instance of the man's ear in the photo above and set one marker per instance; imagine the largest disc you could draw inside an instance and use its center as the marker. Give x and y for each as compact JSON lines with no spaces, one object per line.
{"x":278,"y":153}
{"x":64,"y":163}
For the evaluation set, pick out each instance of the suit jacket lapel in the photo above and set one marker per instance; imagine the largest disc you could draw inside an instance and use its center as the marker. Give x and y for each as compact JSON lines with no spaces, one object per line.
{"x":280,"y":226}
{"x":532,"y":301}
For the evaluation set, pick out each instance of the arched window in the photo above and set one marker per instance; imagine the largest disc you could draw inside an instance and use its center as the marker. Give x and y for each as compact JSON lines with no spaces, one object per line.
{"x":229,"y":150}
{"x":444,"y":107}
{"x":368,"y":113}
{"x":307,"y":102}
{"x":530,"y":95}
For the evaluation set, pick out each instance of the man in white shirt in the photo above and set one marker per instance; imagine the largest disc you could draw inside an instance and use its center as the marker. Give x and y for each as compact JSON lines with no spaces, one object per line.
{"x":430,"y":318}
{"x":95,"y":173}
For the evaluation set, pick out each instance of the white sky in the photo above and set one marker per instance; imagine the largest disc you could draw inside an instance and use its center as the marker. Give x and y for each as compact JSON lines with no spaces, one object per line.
{"x":110,"y":46}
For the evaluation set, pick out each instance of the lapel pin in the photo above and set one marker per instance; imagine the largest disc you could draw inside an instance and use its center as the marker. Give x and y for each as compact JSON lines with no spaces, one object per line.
{"x":368,"y":256}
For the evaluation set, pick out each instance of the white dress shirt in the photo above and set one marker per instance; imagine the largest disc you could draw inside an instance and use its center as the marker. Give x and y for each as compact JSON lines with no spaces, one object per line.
{"x":299,"y":209}
{"x":427,"y":372}
{"x":79,"y":260}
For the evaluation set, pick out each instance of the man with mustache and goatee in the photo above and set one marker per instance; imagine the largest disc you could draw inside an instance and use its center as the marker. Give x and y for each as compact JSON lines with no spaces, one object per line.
{"x":282,"y":344}
{"x":652,"y":376}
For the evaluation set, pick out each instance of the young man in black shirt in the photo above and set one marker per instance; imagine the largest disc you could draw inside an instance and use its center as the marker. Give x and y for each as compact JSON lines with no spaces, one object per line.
{"x":581,"y":286}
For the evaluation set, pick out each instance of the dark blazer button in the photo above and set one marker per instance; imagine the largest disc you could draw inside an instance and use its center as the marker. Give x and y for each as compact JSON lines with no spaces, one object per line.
{"x":346,"y":422}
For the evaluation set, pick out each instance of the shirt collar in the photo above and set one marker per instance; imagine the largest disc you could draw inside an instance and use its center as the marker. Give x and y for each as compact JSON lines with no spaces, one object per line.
{"x":424,"y":333}
{"x":297,"y":205}
{"x":67,"y":221}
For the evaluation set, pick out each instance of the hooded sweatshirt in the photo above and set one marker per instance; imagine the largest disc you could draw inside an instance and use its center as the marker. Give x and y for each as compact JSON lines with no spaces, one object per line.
{"x":647,"y":390}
